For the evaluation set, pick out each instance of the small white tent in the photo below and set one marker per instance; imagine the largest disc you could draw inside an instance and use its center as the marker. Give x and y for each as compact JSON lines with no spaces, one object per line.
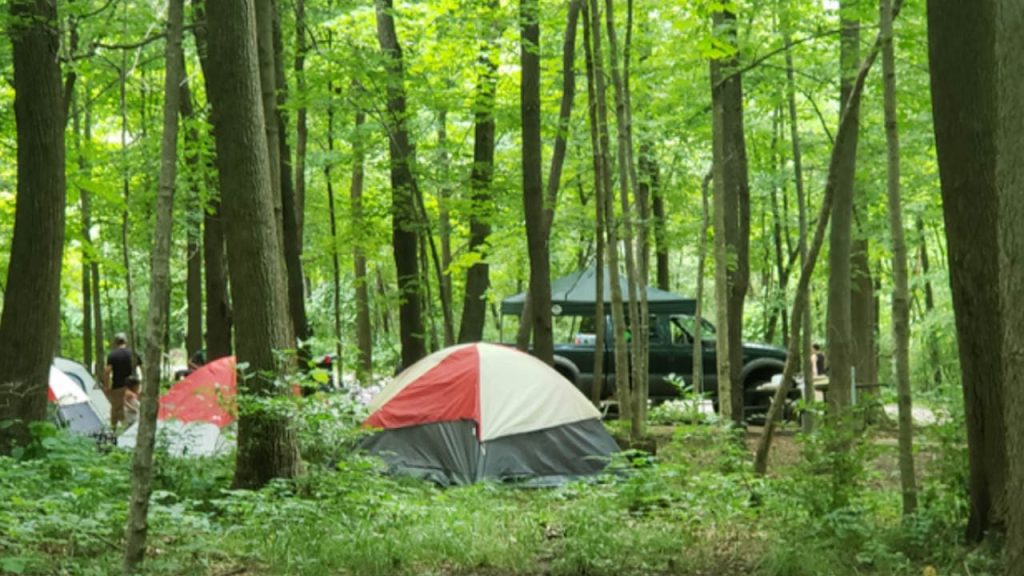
{"x":74,"y":410}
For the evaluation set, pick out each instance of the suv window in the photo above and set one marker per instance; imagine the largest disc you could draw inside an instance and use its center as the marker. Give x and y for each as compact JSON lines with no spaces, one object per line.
{"x":682,"y":326}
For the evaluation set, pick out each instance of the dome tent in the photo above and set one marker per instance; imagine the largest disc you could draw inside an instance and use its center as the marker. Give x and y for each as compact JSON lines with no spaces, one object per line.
{"x":482,"y":411}
{"x":195,"y":414}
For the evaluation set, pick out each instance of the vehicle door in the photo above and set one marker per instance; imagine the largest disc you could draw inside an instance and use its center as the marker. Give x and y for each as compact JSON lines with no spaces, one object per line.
{"x":669,"y":358}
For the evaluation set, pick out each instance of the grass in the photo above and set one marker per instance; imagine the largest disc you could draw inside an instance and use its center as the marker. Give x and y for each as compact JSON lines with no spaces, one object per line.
{"x":695,"y":508}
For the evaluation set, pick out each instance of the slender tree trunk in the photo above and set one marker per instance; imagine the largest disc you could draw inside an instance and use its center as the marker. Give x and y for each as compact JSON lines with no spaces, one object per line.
{"x":622,"y":383}
{"x":650,"y":175}
{"x":94,"y":267}
{"x":638,"y":400}
{"x":194,"y":219}
{"x":732,"y":216}
{"x":934,"y":355}
{"x":900,"y":289}
{"x":266,"y":442}
{"x":600,"y":330}
{"x":840,"y":324}
{"x":301,"y":124}
{"x":445,"y":230}
{"x":801,"y":199}
{"x":403,"y":191}
{"x":29,"y":329}
{"x":333,"y":221}
{"x":697,"y":381}
{"x":533,"y":185}
{"x":965,"y":87}
{"x":125,"y":223}
{"x":474,"y":304}
{"x":87,"y":247}
{"x":159,"y":296}
{"x":292,"y":237}
{"x":364,"y":334}
{"x":848,"y":126}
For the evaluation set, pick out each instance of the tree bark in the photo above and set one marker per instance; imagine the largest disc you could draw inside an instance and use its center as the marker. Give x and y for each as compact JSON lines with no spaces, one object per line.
{"x":900,"y":289}
{"x":403,"y":192}
{"x":266,"y":442}
{"x":964,"y":85}
{"x":125,"y":214}
{"x":301,"y":124}
{"x":474,"y":304}
{"x":333,"y":222}
{"x":840,"y":324}
{"x":266,"y":12}
{"x":650,"y":176}
{"x":159,"y":296}
{"x":533,"y":185}
{"x":445,"y":229}
{"x":30,"y":323}
{"x":86,"y":235}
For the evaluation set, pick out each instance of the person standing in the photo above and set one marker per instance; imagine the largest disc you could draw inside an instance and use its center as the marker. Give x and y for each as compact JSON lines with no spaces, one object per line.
{"x":817,"y":360}
{"x":119,"y":378}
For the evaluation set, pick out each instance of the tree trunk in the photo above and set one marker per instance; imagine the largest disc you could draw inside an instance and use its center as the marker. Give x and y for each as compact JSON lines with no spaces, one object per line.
{"x":445,"y":229}
{"x":87,"y":247}
{"x":301,"y":125}
{"x":30,"y":323}
{"x":697,"y":378}
{"x":900,"y":289}
{"x":600,"y":331}
{"x":125,"y":223}
{"x":636,"y":321}
{"x":965,"y":82}
{"x":159,"y":297}
{"x":403,"y":191}
{"x":266,"y":442}
{"x":840,"y":324}
{"x":848,"y":125}
{"x":622,"y":383}
{"x":732,"y":215}
{"x":364,"y":334}
{"x":533,"y":185}
{"x":934,"y":354}
{"x":474,"y":304}
{"x":194,"y":219}
{"x":266,"y":12}
{"x":650,"y":176}
{"x":333,"y":222}
{"x":292,"y":238}
{"x":801,"y":199}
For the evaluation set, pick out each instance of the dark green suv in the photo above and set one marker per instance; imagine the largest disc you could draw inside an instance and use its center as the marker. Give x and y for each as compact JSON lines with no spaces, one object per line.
{"x":671,"y":353}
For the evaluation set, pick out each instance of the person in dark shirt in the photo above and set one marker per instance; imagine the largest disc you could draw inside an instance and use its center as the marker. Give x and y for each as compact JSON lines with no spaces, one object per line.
{"x":818,"y":360}
{"x":119,"y":378}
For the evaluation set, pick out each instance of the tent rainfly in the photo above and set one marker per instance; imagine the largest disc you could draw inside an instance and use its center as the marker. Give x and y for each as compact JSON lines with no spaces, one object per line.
{"x":195,"y":412}
{"x":74,"y":409}
{"x":482,"y":411}
{"x":576,"y":295}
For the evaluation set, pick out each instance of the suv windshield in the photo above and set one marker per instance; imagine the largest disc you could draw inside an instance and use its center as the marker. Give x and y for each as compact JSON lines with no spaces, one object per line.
{"x":682,"y":325}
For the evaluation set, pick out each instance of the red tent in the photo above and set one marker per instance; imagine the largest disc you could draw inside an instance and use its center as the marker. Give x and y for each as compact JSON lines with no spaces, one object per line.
{"x":194,"y":412}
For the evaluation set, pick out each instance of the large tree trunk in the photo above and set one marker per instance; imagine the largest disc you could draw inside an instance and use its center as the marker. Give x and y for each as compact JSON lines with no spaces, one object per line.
{"x":478,"y":280}
{"x":266,"y":442}
{"x":965,"y":84}
{"x":840,"y":324}
{"x":30,"y":324}
{"x":159,"y":296}
{"x":848,"y":125}
{"x":292,"y":237}
{"x":364,"y":334}
{"x":900,"y":288}
{"x":403,"y":192}
{"x":533,"y":185}
{"x":1009,"y":48}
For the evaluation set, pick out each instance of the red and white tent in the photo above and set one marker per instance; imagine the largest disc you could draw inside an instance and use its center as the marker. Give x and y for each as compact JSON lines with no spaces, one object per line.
{"x":195,"y":412}
{"x":484,"y":411}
